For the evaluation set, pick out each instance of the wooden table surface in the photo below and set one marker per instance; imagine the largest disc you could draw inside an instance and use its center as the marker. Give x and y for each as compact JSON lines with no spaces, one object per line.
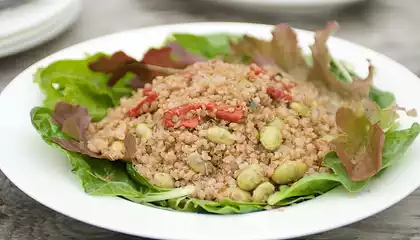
{"x":388,"y":26}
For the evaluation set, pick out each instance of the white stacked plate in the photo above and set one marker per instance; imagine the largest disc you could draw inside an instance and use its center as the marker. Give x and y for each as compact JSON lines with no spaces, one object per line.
{"x":35,"y":22}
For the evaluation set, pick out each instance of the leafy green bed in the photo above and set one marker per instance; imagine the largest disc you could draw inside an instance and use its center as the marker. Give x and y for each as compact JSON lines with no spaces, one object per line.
{"x":75,"y":82}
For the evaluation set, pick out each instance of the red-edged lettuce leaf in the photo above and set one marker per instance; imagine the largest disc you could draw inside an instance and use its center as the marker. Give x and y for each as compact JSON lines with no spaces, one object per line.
{"x":320,"y":71}
{"x":360,"y":146}
{"x":73,"y":121}
{"x":156,"y":62}
{"x":282,"y":51}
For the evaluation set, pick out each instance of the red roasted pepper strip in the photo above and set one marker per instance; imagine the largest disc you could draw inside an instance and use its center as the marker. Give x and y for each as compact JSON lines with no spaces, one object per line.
{"x":147,"y":91}
{"x":181,"y":112}
{"x":151,"y":96}
{"x":278,"y":94}
{"x":222,"y":112}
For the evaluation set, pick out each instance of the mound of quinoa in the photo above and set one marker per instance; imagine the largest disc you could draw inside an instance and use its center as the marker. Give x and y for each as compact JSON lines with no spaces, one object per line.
{"x":234,"y":85}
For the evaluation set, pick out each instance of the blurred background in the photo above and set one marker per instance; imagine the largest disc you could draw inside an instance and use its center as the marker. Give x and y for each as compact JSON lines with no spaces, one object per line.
{"x":33,"y":29}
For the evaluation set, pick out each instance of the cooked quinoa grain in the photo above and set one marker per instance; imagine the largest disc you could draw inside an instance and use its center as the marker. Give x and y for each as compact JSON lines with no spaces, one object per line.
{"x":207,"y":125}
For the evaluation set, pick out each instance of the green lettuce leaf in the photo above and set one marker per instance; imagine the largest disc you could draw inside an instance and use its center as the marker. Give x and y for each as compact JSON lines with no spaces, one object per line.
{"x":139,"y":179}
{"x":186,"y":203}
{"x":311,"y":185}
{"x":294,"y":200}
{"x":397,"y":143}
{"x":223,"y":207}
{"x":72,"y":81}
{"x":208,"y":46}
{"x":332,"y":161}
{"x":152,"y":196}
{"x":99,"y":177}
{"x":382,"y":98}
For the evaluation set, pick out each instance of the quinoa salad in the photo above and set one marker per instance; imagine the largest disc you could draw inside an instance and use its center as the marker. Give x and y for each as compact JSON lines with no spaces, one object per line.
{"x":221,"y":123}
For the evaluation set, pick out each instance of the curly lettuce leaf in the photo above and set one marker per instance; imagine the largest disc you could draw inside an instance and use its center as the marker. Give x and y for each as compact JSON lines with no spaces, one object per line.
{"x":360,"y":147}
{"x":282,"y":51}
{"x":73,"y":121}
{"x":321,"y":71}
{"x":72,"y":81}
{"x":395,"y":146}
{"x":155,"y":62}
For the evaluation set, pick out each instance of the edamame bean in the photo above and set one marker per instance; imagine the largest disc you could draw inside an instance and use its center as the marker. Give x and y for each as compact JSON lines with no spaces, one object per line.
{"x":198,"y":164}
{"x":271,"y":137}
{"x":299,"y":108}
{"x":289,"y":172}
{"x":143,"y":131}
{"x":249,"y":178}
{"x":220,"y":135}
{"x":262,"y":192}
{"x":163,"y":180}
{"x":237,"y":194}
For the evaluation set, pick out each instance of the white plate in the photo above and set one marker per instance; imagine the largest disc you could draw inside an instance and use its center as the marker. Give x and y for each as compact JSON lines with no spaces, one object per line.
{"x":37,"y":29}
{"x":291,"y":6}
{"x":21,"y":18}
{"x":44,"y":174}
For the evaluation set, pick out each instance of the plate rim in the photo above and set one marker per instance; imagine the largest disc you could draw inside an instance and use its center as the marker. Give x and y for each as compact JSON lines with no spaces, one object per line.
{"x":289,"y":3}
{"x":180,"y":25}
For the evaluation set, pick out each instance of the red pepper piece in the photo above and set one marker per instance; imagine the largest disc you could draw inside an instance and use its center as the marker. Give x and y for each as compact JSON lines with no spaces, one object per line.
{"x":222,"y":112}
{"x":278,"y":94}
{"x":188,"y":76}
{"x":190,"y":123}
{"x":181,"y":112}
{"x":150,"y":97}
{"x":147,"y":91}
{"x":288,"y":86}
{"x":257,"y":70}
